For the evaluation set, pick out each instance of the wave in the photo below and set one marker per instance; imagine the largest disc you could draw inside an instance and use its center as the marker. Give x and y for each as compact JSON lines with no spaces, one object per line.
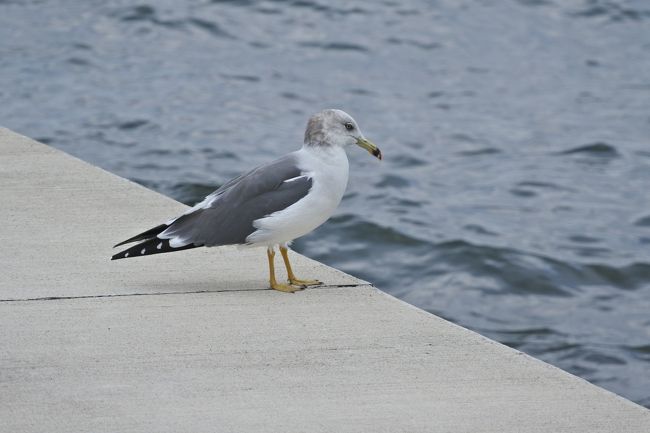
{"x":611,"y":11}
{"x":335,"y":46}
{"x":599,"y":149}
{"x":148,"y":14}
{"x":493,"y":269}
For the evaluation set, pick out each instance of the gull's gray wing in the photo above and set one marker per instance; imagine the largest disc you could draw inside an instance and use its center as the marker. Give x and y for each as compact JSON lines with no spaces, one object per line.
{"x":226,"y":216}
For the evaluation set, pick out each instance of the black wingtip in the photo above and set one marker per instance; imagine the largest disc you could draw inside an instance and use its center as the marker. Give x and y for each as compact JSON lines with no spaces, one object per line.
{"x":149,"y":247}
{"x":120,"y":255}
{"x":143,"y":236}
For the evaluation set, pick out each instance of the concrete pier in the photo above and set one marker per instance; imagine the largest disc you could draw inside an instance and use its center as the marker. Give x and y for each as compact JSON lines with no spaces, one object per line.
{"x":193,"y":342}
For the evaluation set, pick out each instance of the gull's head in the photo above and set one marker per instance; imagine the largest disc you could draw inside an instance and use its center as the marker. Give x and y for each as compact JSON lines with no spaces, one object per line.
{"x":337,"y":128}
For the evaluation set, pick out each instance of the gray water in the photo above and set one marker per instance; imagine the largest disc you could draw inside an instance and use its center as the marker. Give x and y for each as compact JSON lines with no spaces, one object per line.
{"x":514,"y":195}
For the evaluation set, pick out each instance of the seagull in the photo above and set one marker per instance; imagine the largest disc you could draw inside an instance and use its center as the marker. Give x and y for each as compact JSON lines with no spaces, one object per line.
{"x":271,"y":205}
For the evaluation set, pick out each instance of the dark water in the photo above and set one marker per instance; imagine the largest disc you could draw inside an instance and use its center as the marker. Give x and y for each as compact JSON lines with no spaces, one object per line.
{"x":514,"y":195}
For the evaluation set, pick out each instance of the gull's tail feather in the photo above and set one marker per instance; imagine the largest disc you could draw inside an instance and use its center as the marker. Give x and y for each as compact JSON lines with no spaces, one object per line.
{"x":148,"y":247}
{"x":151,"y":233}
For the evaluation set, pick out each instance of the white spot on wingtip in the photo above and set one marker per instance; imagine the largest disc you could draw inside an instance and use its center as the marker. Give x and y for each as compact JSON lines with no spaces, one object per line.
{"x":159,"y":246}
{"x":126,"y":255}
{"x":144,"y":250}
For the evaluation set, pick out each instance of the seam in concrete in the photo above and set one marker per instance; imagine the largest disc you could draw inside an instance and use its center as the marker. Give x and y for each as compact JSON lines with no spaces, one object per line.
{"x":118,"y":295}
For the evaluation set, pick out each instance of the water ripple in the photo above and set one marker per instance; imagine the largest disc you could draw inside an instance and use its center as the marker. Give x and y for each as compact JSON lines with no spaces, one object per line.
{"x":335,"y":46}
{"x":480,"y":152}
{"x":131,"y":124}
{"x":643,"y":221}
{"x":427,"y":46}
{"x":613,"y":11}
{"x":148,"y":14}
{"x":210,"y":27}
{"x":600,"y":150}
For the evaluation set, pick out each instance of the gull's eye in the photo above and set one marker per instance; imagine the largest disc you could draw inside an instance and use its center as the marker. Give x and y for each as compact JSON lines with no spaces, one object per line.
{"x":349,"y":126}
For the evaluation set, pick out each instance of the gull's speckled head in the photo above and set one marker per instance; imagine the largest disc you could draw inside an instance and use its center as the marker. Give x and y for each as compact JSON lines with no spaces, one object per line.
{"x":337,"y":128}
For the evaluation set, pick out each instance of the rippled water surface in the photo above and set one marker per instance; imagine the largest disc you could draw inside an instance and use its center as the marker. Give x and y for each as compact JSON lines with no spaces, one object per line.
{"x":514,"y":195}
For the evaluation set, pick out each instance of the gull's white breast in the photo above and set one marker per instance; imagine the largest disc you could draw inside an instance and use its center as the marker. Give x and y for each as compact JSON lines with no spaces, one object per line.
{"x":328,"y":169}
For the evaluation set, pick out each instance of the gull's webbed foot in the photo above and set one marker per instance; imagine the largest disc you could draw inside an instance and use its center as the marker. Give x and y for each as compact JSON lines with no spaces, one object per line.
{"x":285,"y":288}
{"x":304,"y":283}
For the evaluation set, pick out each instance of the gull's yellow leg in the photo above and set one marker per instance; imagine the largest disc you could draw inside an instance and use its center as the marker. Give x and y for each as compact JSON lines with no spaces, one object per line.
{"x":292,"y":278}
{"x":274,"y":284}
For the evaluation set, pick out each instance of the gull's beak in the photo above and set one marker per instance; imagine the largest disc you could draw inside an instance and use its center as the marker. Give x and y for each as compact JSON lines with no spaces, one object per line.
{"x":369,"y":146}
